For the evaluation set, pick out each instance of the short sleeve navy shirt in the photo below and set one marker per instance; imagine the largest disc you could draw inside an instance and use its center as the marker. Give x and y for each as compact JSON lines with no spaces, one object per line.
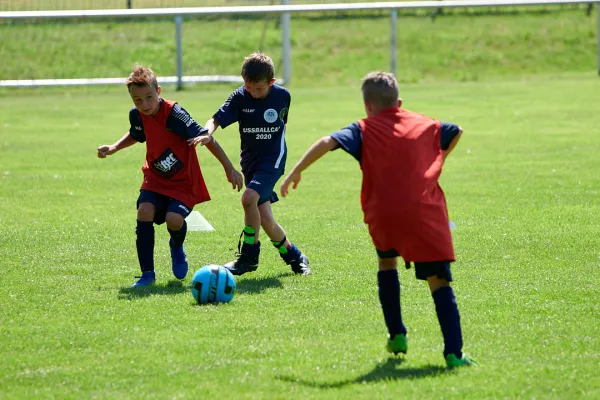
{"x":262,"y":125}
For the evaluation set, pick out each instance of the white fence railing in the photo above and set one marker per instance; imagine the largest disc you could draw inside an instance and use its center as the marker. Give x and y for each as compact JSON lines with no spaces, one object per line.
{"x":284,"y":9}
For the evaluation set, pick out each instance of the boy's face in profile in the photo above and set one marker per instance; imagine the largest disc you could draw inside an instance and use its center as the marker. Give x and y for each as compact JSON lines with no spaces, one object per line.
{"x":258,"y":90}
{"x":145,"y":98}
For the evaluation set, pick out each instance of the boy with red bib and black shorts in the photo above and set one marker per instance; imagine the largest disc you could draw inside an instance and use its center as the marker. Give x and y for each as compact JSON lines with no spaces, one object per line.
{"x":401,"y":154}
{"x":173,"y":183}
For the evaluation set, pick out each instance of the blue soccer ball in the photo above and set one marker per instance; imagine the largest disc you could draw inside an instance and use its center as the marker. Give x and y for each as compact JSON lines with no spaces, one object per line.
{"x":213,"y":284}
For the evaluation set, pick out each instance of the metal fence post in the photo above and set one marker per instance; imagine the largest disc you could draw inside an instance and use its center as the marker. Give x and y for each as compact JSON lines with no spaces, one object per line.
{"x":178,"y":45}
{"x":286,"y":42}
{"x":393,"y":40}
{"x":598,"y":33}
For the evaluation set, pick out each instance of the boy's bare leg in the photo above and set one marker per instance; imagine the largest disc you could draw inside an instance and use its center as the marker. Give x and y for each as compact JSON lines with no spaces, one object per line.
{"x":251,"y":214}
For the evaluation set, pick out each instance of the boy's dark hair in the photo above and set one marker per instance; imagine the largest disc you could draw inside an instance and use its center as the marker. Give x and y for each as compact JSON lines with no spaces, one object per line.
{"x":142,"y":76}
{"x":380,"y":89}
{"x":258,"y":67}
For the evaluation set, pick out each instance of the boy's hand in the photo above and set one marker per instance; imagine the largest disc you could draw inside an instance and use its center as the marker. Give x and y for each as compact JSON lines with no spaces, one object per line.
{"x":235,"y":178}
{"x":294,"y":179}
{"x":106,"y":150}
{"x":200,"y":140}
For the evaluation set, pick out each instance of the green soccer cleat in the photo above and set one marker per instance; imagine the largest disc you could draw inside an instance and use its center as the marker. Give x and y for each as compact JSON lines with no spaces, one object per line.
{"x":453,"y":362}
{"x":398,"y":345}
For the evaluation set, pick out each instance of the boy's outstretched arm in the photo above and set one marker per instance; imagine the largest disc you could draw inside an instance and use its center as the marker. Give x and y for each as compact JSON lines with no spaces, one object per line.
{"x":107,"y":150}
{"x":233,"y":176}
{"x":211,"y":125}
{"x":316,"y":151}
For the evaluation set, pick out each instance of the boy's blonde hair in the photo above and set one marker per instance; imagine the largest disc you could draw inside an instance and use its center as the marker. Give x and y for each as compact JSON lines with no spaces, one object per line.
{"x":258,"y":67}
{"x":142,"y":76}
{"x":380,"y":89}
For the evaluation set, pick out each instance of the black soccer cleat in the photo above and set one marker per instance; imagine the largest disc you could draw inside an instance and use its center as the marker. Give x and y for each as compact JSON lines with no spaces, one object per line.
{"x":247,"y":258}
{"x":300,"y":266}
{"x":242,"y":264}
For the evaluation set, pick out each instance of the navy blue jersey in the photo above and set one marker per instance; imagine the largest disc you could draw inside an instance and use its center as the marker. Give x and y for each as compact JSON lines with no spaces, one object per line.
{"x":350,"y":138}
{"x":262,"y":127}
{"x":179,"y":122}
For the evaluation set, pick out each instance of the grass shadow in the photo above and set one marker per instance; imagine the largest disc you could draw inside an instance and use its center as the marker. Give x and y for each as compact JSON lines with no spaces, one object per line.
{"x":385,"y":371}
{"x":258,"y":285}
{"x":170,"y":288}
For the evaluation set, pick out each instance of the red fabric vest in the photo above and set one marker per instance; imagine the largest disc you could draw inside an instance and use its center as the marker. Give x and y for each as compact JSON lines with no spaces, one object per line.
{"x":171,"y":166}
{"x":403,"y":203}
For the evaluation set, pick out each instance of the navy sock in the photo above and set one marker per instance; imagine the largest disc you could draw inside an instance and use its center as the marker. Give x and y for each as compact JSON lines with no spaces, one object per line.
{"x":389,"y":296}
{"x":449,"y":318}
{"x":251,"y":250}
{"x":178,"y":237}
{"x":145,"y":244}
{"x":288,"y":254}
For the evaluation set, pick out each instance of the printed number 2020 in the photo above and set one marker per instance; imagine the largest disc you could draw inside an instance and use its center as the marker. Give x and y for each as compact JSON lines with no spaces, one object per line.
{"x":263,"y":136}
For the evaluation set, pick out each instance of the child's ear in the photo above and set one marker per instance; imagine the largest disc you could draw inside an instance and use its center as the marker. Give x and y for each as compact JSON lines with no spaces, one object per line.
{"x":399,"y":103}
{"x":271,"y":82}
{"x":158,"y":90}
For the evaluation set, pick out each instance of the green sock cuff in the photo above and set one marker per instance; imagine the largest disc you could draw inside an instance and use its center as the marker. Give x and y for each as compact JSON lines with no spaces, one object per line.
{"x":249,"y":234}
{"x":280,"y":245}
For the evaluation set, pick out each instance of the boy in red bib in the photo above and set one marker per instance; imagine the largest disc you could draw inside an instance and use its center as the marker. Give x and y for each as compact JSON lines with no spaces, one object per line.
{"x":401,"y":154}
{"x":173,"y":183}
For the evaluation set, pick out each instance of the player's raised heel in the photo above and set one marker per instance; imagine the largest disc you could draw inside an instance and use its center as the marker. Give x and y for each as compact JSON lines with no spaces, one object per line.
{"x":147,"y":278}
{"x":179,"y":262}
{"x":300,"y":266}
{"x":453,"y":362}
{"x":399,"y":344}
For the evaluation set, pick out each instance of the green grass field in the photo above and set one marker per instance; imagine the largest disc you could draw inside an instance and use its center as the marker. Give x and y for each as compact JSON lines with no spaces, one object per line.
{"x":522,"y":188}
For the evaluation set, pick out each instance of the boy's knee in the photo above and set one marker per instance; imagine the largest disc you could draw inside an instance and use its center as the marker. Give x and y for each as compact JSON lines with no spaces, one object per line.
{"x":386,"y":264}
{"x":146,"y":212}
{"x":250,"y":198}
{"x":436,"y":283}
{"x":174,"y":221}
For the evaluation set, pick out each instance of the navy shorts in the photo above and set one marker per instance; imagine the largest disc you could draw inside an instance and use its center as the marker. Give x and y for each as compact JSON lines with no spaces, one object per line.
{"x":263,"y":183}
{"x":423,"y":270}
{"x":163,"y":205}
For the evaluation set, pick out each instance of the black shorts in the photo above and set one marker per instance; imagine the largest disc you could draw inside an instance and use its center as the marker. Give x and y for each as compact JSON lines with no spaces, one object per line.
{"x":163,"y":205}
{"x":423,"y":270}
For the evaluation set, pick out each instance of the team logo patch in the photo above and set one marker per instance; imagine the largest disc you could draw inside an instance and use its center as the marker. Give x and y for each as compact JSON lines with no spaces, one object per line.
{"x":271,"y":115}
{"x":167,"y":164}
{"x":283,"y":114}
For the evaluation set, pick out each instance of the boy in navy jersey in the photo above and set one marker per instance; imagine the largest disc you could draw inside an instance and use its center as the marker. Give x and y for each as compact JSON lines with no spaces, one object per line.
{"x":173,"y":183}
{"x":261,"y":108}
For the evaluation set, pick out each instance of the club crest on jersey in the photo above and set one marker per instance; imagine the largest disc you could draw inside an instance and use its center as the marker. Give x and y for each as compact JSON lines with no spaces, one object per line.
{"x":271,"y":115}
{"x":167,"y":164}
